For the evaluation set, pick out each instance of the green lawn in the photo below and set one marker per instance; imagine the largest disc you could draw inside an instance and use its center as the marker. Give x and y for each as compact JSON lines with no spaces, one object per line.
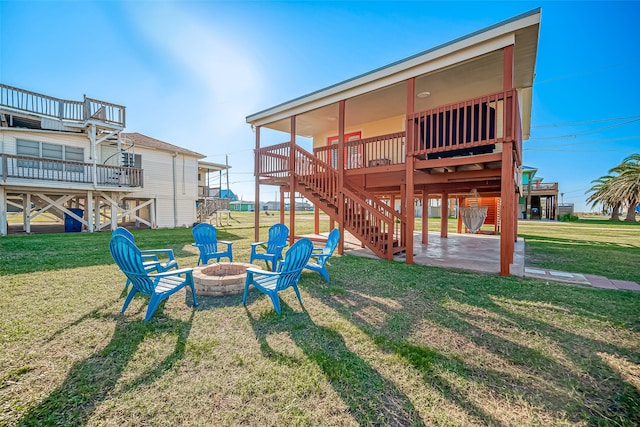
{"x":384,"y":344}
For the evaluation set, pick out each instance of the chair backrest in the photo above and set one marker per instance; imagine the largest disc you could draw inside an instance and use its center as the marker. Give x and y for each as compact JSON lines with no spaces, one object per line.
{"x":294,"y":262}
{"x":205,"y":234}
{"x":129,"y":259}
{"x":123,"y":232}
{"x":332,"y":242}
{"x":278,"y":234}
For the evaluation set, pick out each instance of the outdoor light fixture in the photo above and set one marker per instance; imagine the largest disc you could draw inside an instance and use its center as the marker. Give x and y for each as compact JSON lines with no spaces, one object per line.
{"x":423,"y":94}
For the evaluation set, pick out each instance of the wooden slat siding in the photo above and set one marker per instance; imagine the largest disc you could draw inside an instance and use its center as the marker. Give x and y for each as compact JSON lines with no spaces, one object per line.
{"x":62,"y":109}
{"x":446,"y":124}
{"x":66,"y":171}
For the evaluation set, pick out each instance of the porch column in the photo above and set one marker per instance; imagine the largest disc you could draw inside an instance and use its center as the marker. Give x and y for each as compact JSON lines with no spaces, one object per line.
{"x":292,"y":181}
{"x":152,"y":214}
{"x":460,"y":201}
{"x":282,"y":205}
{"x":507,"y":195}
{"x":316,"y":220}
{"x":408,"y":200}
{"x":256,"y":174}
{"x":26,"y":213}
{"x":425,"y":217}
{"x":96,"y":213}
{"x":341,"y":200}
{"x":114,"y":215}
{"x":3,"y":212}
{"x":444,"y":216}
{"x":89,"y":211}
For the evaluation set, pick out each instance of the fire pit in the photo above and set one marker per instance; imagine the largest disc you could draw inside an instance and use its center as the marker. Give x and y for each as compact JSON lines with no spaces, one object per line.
{"x":221,"y":279}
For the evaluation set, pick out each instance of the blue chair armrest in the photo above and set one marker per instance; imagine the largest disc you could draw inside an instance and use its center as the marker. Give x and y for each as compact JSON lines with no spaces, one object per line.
{"x":155,"y":252}
{"x":262,"y":272}
{"x":187,"y":271}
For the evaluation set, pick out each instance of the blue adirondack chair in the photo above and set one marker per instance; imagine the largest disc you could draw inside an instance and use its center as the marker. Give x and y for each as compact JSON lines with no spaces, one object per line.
{"x":159,"y":286}
{"x":319,"y":256}
{"x":288,"y":274}
{"x":207,"y":243}
{"x":150,"y":257}
{"x":278,"y":234}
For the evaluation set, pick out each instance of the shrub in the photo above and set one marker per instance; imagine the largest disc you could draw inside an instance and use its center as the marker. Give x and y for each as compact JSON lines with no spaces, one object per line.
{"x":568,"y":218}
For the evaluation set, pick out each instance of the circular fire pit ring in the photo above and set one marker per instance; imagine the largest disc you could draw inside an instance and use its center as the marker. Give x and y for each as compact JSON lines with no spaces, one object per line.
{"x":221,"y":279}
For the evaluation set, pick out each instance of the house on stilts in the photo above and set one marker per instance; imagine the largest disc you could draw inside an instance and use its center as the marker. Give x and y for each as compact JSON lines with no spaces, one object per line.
{"x":445,"y":123}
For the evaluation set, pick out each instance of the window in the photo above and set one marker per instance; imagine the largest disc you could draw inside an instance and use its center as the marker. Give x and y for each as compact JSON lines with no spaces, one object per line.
{"x":45,"y":150}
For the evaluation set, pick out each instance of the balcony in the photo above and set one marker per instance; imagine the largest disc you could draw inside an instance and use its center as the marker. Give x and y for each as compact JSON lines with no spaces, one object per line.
{"x":59,"y":171}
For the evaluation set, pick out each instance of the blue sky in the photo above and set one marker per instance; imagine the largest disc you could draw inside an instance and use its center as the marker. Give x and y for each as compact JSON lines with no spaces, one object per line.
{"x":189,"y":72}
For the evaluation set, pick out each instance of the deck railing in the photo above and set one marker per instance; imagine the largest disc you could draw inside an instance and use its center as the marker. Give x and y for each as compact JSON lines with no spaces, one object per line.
{"x":273,"y":161}
{"x":381,"y":150}
{"x":47,"y":106}
{"x":469,"y":127}
{"x":35,"y":168}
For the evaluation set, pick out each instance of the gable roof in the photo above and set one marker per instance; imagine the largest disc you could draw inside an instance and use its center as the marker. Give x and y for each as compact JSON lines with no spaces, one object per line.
{"x":521,"y":31}
{"x":148,"y":142}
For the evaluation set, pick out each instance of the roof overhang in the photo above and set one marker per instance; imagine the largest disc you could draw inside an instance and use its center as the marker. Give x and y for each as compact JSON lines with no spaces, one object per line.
{"x":460,"y":69}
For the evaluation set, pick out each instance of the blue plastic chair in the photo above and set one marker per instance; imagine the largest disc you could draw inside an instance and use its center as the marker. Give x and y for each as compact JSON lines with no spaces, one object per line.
{"x":150,"y":257}
{"x":278,"y":234}
{"x":207,"y":242}
{"x":319,"y":256}
{"x":159,"y":286}
{"x":288,"y":274}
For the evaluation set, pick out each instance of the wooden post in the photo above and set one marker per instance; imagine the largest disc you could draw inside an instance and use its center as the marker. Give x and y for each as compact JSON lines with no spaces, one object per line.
{"x":256,"y":173}
{"x":444,"y":216}
{"x":425,"y":217}
{"x":3,"y":211}
{"x":282,"y":205}
{"x":460,"y":201}
{"x":89,"y":212}
{"x":316,"y":219}
{"x":408,"y":200}
{"x":292,"y":182}
{"x":26,"y":213}
{"x":341,"y":200}
{"x":507,"y":194}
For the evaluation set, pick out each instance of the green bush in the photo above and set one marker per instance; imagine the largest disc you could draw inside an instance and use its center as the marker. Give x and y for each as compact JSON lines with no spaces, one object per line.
{"x":568,"y":218}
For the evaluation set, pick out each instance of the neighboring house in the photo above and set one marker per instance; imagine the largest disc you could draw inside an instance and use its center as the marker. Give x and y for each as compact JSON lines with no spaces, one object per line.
{"x":242,"y":206}
{"x":72,"y":159}
{"x":226,"y":194}
{"x":445,"y":123}
{"x":539,"y":199}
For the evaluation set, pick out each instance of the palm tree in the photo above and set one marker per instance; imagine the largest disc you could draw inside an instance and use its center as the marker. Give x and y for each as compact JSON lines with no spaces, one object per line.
{"x":623,"y":188}
{"x":601,"y":193}
{"x":627,"y":184}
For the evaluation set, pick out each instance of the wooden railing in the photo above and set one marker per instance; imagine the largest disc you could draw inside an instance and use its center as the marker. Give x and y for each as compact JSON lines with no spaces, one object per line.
{"x":381,"y":150}
{"x":316,"y":174}
{"x":469,"y":127}
{"x":47,"y":106}
{"x":273,"y":161}
{"x":35,"y":168}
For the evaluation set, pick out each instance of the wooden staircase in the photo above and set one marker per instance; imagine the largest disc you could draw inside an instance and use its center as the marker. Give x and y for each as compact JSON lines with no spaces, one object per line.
{"x":372,"y":221}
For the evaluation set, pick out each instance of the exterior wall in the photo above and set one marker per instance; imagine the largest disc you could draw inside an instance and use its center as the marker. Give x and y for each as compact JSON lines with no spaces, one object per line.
{"x":161,"y":176}
{"x":369,"y":129}
{"x":8,"y":139}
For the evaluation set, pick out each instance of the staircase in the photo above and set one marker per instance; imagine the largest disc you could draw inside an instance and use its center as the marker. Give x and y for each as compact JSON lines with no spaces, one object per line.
{"x":373,"y":222}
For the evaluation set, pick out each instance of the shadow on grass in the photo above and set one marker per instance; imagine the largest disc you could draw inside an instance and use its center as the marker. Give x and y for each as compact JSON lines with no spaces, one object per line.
{"x":371,"y":398}
{"x":92,"y":380}
{"x":576,"y":384}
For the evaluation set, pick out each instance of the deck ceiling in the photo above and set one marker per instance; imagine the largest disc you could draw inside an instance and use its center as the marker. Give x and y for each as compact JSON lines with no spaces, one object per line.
{"x":451,"y":76}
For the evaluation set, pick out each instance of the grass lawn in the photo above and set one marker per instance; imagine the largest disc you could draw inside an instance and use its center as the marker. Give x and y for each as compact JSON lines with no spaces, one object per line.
{"x":384,"y":344}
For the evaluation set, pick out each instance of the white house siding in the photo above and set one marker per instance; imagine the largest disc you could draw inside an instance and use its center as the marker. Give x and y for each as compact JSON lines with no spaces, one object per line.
{"x":159,"y":172}
{"x":9,"y":138}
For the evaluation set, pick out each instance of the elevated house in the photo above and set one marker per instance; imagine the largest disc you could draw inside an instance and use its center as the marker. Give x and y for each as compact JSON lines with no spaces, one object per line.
{"x":448,"y":123}
{"x":73,"y":160}
{"x":539,"y":199}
